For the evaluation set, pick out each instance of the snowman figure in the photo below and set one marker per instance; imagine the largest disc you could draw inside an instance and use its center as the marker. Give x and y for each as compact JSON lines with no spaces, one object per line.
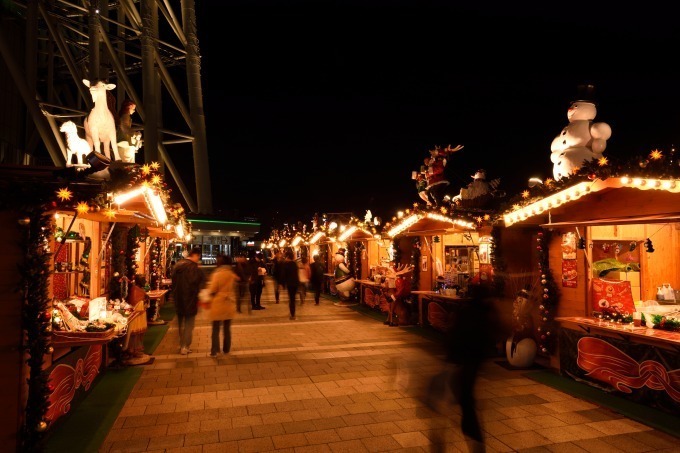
{"x":344,"y":282}
{"x":580,"y":140}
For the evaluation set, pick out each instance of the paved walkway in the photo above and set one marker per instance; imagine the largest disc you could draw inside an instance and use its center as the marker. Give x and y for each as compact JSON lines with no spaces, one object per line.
{"x":338,"y":381}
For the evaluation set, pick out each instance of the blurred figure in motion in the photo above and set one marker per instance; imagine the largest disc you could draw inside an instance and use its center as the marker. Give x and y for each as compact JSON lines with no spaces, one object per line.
{"x":243,"y":272}
{"x":469,"y":341}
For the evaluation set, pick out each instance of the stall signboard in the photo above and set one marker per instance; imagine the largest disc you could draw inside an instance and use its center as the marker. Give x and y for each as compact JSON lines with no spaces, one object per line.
{"x":569,"y":274}
{"x":569,"y":246}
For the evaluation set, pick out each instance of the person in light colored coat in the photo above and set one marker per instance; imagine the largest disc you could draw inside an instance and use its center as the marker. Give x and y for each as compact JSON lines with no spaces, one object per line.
{"x":223,"y":286}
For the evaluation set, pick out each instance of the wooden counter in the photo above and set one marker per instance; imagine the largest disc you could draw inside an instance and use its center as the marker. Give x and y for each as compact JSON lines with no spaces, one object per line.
{"x":636,"y":363}
{"x":625,"y":331}
{"x":434,"y":296}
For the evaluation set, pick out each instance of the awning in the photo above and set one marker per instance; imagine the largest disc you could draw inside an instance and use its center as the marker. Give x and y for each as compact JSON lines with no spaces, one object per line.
{"x":611,"y":201}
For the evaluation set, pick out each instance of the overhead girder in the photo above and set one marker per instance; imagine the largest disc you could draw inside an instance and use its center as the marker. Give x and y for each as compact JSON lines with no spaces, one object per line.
{"x":75,"y":33}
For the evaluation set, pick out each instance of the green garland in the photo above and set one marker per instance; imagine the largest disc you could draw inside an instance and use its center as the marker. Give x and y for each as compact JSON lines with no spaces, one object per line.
{"x":498,"y":263}
{"x":546,"y":328}
{"x":36,"y":319}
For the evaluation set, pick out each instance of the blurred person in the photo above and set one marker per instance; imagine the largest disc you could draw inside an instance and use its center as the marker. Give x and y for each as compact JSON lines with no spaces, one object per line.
{"x":258,"y":270}
{"x":277,"y":273}
{"x":469,"y":341}
{"x":316,"y":277}
{"x":223,"y":287}
{"x":291,"y":280}
{"x":243,"y":272}
{"x":187,"y":281}
{"x":304,"y":274}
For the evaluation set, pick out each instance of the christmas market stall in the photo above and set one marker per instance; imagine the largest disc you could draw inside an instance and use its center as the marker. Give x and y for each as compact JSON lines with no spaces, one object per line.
{"x":420,"y":237}
{"x":68,"y":313}
{"x":606,"y":240}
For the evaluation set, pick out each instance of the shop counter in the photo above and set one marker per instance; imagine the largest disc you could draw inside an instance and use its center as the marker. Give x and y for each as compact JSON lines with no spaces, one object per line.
{"x":636,"y":363}
{"x":373,"y":295}
{"x":436,"y":309}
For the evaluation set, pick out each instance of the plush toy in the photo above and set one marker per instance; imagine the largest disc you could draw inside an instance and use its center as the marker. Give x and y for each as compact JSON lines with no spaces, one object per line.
{"x":436,"y":179}
{"x":397,"y":287}
{"x":479,"y":189}
{"x":580,"y":140}
{"x":344,"y":281}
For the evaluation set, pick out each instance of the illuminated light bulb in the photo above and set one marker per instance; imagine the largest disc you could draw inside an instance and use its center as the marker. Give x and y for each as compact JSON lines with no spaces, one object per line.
{"x":666,"y":184}
{"x":625,"y":180}
{"x":637,"y":181}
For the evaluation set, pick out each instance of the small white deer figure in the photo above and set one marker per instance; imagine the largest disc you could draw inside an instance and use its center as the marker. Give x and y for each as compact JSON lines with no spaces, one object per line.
{"x":100,"y":127}
{"x":75,"y":145}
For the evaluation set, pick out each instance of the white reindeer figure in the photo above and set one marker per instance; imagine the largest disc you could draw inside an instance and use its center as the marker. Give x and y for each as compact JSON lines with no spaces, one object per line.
{"x":75,"y":145}
{"x":100,"y":127}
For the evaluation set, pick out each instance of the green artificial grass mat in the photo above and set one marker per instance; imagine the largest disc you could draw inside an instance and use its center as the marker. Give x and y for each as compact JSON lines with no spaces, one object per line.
{"x":86,"y":428}
{"x":88,"y":425}
{"x":154,"y":334}
{"x":657,"y":419}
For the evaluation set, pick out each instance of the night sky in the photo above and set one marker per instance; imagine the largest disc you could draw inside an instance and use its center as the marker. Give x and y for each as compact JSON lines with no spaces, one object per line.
{"x":326,"y":106}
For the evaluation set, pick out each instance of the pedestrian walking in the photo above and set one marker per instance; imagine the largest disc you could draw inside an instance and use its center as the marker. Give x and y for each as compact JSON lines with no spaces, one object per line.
{"x":277,"y":273}
{"x":223,"y":288}
{"x":291,"y":280}
{"x":316,"y":277}
{"x":243,"y":272}
{"x":304,"y":273}
{"x":469,"y":341}
{"x":258,"y":271}
{"x":187,"y":281}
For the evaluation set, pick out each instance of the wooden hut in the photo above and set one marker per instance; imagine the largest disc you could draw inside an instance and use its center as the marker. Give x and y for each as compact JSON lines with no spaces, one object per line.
{"x":601,"y":248}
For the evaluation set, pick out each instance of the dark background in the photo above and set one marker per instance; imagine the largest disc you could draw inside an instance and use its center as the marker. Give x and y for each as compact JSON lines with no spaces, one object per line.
{"x":327,"y":106}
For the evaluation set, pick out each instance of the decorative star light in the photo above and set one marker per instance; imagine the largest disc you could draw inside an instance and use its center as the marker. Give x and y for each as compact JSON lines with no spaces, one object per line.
{"x":82,"y":207}
{"x":156,"y":179}
{"x":487,"y":217}
{"x":146,"y":184}
{"x":110,"y":213}
{"x":155,"y":165}
{"x":64,"y":194}
{"x":525,"y":194}
{"x":444,"y":210}
{"x":515,"y":207}
{"x":146,"y":169}
{"x":479,"y":219}
{"x":655,"y":154}
{"x":415,"y":205}
{"x":602,"y":161}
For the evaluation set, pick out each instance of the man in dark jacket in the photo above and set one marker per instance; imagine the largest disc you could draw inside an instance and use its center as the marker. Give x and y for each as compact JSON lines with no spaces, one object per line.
{"x":277,"y":273}
{"x":316,"y":280}
{"x":243,"y":271}
{"x":291,"y":280}
{"x":187,"y":281}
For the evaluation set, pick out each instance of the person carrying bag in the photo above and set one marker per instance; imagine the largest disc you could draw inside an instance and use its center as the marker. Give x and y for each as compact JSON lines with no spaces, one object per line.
{"x":222,"y":306}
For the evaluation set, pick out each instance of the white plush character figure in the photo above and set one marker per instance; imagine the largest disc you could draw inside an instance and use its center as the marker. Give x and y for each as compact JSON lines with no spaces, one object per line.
{"x":580,"y":140}
{"x":344,"y":282}
{"x":479,"y":189}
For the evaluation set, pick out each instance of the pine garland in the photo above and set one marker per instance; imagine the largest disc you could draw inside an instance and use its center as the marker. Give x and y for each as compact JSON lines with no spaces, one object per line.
{"x":36,"y":319}
{"x":546,"y":335}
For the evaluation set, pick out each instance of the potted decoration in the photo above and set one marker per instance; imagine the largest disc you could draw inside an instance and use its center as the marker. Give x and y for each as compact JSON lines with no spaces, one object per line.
{"x":521,"y":347}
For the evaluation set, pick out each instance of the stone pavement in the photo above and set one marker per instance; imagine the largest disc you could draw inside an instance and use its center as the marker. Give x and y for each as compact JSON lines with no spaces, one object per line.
{"x":335,"y":380}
